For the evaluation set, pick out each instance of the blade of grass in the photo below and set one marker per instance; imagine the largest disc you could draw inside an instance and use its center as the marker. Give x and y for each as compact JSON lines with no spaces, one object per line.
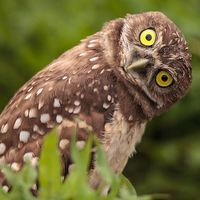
{"x":50,"y":168}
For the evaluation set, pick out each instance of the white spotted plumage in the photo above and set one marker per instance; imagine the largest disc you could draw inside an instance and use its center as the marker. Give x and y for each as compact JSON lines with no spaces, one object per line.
{"x":28,"y":96}
{"x":77,"y":110}
{"x":2,"y":148}
{"x":39,"y":91}
{"x":94,"y":59}
{"x":28,"y":156}
{"x":15,"y":166}
{"x":44,"y":118}
{"x":24,"y":136}
{"x":40,"y":105}
{"x":32,"y":113}
{"x":4,"y":128}
{"x":17,"y":123}
{"x":63,"y":143}
{"x":59,"y":119}
{"x":56,"y":103}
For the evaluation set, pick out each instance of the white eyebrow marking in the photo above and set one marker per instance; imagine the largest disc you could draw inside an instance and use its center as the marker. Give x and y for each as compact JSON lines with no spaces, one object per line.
{"x":44,"y":118}
{"x":24,"y":136}
{"x":17,"y":123}
{"x":2,"y":148}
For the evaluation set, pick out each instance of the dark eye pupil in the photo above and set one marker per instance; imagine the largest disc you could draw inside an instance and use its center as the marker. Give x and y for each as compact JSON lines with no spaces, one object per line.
{"x":148,"y":37}
{"x":164,"y":78}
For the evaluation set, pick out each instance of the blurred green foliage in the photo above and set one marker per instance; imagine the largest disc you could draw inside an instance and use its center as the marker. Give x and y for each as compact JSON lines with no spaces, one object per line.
{"x":33,"y":33}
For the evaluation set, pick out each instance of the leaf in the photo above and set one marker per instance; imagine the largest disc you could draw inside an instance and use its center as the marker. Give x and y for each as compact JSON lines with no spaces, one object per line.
{"x":50,"y":168}
{"x":76,"y":184}
{"x":21,"y":182}
{"x":107,"y":174}
{"x":82,"y":158}
{"x":127,"y":184}
{"x":3,"y":195}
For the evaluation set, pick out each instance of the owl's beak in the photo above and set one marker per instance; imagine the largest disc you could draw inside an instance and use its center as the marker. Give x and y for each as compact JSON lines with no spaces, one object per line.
{"x":141,"y":63}
{"x":139,"y":67}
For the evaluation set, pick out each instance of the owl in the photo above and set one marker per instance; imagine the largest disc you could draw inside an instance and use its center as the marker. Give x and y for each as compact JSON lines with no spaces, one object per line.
{"x":113,"y":82}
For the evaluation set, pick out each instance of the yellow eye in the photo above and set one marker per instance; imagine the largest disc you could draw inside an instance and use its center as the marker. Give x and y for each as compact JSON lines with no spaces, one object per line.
{"x":164,"y":79}
{"x":148,"y":37}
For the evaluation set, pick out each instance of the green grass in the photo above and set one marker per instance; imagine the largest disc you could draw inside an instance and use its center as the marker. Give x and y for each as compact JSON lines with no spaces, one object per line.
{"x":76,"y":186}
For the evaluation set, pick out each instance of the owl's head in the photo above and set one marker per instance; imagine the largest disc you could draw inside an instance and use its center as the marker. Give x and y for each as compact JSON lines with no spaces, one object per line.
{"x":153,"y":60}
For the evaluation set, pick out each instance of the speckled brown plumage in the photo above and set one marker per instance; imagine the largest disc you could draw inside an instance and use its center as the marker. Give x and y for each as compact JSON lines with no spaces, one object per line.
{"x":94,"y":82}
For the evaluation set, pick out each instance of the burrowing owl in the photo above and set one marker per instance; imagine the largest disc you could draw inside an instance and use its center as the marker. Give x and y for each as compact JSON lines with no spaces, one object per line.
{"x":114,"y":81}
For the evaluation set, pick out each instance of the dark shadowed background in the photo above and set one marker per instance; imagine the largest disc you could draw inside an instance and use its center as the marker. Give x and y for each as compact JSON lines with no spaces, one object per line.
{"x":34,"y":32}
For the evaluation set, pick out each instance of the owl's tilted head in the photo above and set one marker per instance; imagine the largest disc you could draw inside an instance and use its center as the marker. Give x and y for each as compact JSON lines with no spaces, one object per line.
{"x":153,"y":60}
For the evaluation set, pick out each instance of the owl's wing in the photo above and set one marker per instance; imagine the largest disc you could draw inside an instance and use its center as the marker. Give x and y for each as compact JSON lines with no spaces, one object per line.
{"x":77,"y":84}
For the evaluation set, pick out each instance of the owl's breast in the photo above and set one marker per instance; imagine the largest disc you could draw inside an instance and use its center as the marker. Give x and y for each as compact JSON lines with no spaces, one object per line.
{"x":120,"y":139}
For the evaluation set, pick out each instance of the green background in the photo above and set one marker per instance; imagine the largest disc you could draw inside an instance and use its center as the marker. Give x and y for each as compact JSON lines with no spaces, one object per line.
{"x":34,"y":32}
